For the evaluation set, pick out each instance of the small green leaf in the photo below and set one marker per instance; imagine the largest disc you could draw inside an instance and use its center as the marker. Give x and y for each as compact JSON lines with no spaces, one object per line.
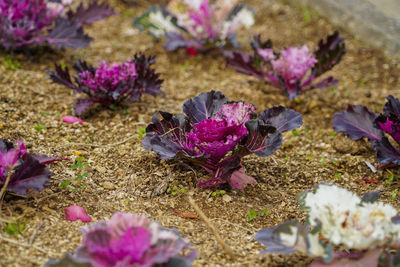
{"x":141,"y":132}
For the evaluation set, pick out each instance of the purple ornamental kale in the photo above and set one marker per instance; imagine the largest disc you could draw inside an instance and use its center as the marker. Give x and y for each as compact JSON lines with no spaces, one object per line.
{"x":128,"y":240}
{"x":358,"y":122}
{"x":215,"y":134}
{"x":292,"y":70}
{"x":199,"y":25}
{"x":34,"y":22}
{"x":110,"y":83}
{"x":29,"y":170}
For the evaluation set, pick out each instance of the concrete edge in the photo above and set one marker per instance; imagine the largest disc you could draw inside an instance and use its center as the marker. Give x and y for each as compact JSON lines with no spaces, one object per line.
{"x":361,"y":18}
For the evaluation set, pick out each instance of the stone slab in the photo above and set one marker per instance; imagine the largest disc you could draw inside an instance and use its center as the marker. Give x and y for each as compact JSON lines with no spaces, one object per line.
{"x":376,"y":22}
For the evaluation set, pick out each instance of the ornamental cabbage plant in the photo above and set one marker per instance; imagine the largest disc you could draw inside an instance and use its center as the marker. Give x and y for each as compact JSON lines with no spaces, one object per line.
{"x":292,"y":70}
{"x":128,"y":240}
{"x":196,"y":24}
{"x":215,"y":134}
{"x":358,"y":122}
{"x":365,"y":229}
{"x":110,"y":83}
{"x":20,"y":170}
{"x":24,"y":23}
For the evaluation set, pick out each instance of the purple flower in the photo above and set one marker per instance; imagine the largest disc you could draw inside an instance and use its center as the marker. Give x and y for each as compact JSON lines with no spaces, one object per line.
{"x":110,"y":77}
{"x":199,"y":24}
{"x":215,"y":134}
{"x":27,"y":22}
{"x":292,"y":70}
{"x":110,"y":84}
{"x":130,"y":240}
{"x":214,"y":138}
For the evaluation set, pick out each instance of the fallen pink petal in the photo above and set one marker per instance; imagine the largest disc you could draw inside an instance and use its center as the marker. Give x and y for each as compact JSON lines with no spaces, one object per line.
{"x":71,"y":119}
{"x":74,"y":213}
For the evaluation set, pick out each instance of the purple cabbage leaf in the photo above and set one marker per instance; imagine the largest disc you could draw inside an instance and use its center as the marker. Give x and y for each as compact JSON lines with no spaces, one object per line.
{"x":128,"y":240}
{"x":292,"y":70}
{"x":215,"y":134}
{"x":29,"y":171}
{"x":200,"y":25}
{"x":24,"y":23}
{"x":110,"y":83}
{"x":358,"y":122}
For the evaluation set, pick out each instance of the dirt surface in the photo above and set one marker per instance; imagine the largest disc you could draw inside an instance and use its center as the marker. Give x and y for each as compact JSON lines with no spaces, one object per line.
{"x":123,"y":176}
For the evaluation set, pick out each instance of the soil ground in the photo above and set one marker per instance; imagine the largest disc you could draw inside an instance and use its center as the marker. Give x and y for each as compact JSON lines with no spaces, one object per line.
{"x":123,"y":176}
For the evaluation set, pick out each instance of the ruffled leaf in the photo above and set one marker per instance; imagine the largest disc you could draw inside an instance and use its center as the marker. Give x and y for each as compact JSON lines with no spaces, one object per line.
{"x":281,"y":118}
{"x":329,"y":53}
{"x":243,"y":63}
{"x":392,"y":106}
{"x":71,"y":119}
{"x":43,"y":159}
{"x":357,"y":122}
{"x":204,"y":106}
{"x":157,"y":21}
{"x":371,"y":197}
{"x":147,"y":80}
{"x":262,"y":139}
{"x":225,"y":171}
{"x":67,"y":34}
{"x":270,"y":238}
{"x":31,"y":174}
{"x":166,"y":137}
{"x":93,"y":12}
{"x":62,"y":76}
{"x":386,"y":152}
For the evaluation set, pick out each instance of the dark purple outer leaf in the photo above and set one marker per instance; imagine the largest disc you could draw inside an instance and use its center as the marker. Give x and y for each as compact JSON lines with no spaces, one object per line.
{"x":204,"y":106}
{"x":177,"y":262}
{"x":386,"y":152}
{"x":173,"y":41}
{"x":258,"y":44}
{"x":392,"y":106}
{"x":328,"y":54}
{"x":325,"y":83}
{"x":147,"y":81}
{"x":62,"y":76}
{"x":229,"y":166}
{"x":167,"y":137}
{"x":67,"y":34}
{"x":243,"y":63}
{"x":357,"y":122}
{"x":94,"y":12}
{"x":281,"y":118}
{"x":396,"y":219}
{"x":269,"y":237}
{"x":262,"y":140}
{"x":5,"y":145}
{"x":43,"y":159}
{"x":371,"y":197}
{"x":29,"y":175}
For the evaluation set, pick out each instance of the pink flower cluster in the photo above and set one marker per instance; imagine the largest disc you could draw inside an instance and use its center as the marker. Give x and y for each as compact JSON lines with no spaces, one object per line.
{"x":110,"y":77}
{"x":22,"y":20}
{"x":291,"y":65}
{"x":129,"y":240}
{"x":215,"y":137}
{"x":207,"y":21}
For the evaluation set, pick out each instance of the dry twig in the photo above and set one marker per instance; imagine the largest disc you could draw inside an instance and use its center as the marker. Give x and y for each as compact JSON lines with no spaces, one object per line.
{"x":207,"y":222}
